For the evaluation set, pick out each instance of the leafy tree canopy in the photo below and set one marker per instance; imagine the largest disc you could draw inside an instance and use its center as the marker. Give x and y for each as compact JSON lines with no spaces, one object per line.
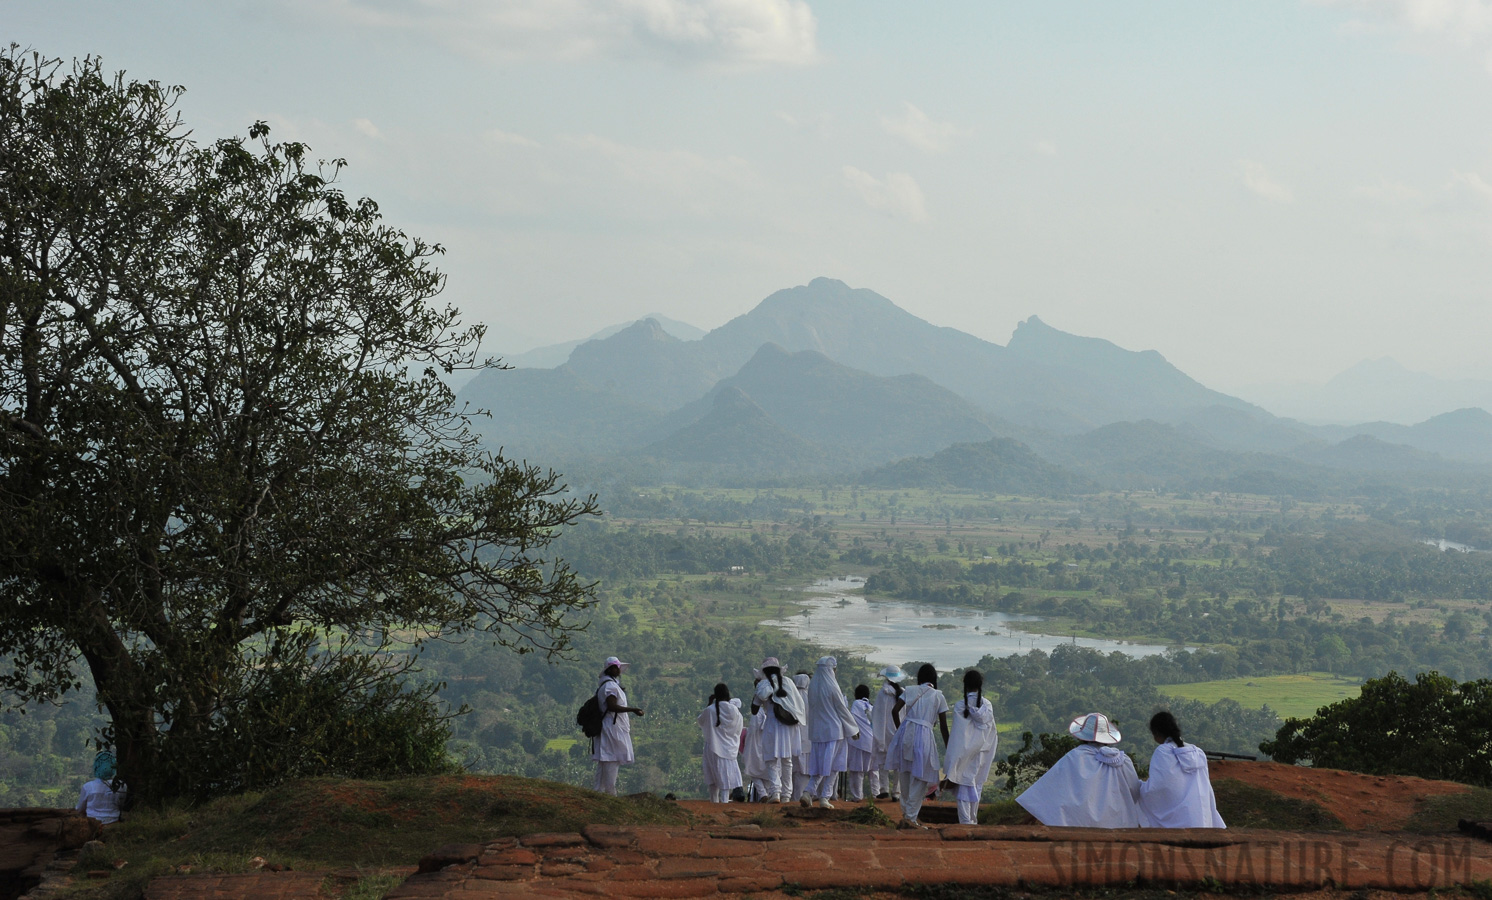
{"x":1431,"y":727}
{"x":229,"y":469}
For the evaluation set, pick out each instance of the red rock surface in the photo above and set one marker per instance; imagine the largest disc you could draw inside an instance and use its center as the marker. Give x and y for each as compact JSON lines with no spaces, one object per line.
{"x":1362,"y":802}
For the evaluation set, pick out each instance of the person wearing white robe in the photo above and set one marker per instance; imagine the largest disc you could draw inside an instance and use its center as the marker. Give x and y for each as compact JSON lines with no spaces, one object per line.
{"x":913,"y":749}
{"x":885,"y":718}
{"x":781,"y":741}
{"x":721,"y":724}
{"x":1178,"y":793}
{"x":801,"y":778}
{"x":1093,"y":786}
{"x":830,"y":728}
{"x":858,"y":759}
{"x":612,"y":748}
{"x":971,"y":747}
{"x":754,"y":766}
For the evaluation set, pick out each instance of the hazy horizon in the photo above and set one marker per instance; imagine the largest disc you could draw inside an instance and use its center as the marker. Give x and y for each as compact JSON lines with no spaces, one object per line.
{"x":1267,"y":193}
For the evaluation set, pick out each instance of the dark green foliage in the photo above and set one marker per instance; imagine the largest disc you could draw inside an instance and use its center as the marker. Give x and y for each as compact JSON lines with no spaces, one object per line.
{"x":1431,"y":727}
{"x":1034,"y":756}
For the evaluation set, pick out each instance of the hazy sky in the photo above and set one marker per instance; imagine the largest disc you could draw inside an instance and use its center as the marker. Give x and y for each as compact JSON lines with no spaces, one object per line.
{"x":1260,"y":190}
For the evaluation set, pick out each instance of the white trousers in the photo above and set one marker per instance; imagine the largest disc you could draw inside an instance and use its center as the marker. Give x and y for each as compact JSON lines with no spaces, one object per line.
{"x":780,"y":777}
{"x":606,"y":773}
{"x":968,"y":812}
{"x":800,"y":782}
{"x":721,"y":795}
{"x":857,"y":781}
{"x":913,"y":792}
{"x":891,"y":779}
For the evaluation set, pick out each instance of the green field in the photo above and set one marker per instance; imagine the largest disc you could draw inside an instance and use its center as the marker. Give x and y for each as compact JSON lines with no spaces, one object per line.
{"x":1289,"y":695}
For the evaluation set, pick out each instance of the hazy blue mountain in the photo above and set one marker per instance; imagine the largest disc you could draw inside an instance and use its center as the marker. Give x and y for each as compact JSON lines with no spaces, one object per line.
{"x":553,"y":413}
{"x":1002,"y":466}
{"x":647,"y":365}
{"x":1374,"y":390}
{"x":1365,"y":452}
{"x":1464,"y":434}
{"x":859,"y":418}
{"x":1242,"y":429}
{"x":553,"y":355}
{"x":737,"y":432}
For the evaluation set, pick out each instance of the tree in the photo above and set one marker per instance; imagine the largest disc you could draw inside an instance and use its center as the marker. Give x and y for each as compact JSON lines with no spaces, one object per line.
{"x":227,"y":457}
{"x":1431,"y":727}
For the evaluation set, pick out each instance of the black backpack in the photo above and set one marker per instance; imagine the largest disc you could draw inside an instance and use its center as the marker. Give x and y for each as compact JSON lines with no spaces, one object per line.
{"x":589,"y":717}
{"x":784,"y":715}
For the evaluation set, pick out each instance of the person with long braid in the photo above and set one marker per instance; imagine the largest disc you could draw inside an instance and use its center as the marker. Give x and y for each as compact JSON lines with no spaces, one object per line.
{"x":781,"y":734}
{"x":721,"y":723}
{"x":971,"y":748}
{"x":1178,"y":793}
{"x":913,"y":750}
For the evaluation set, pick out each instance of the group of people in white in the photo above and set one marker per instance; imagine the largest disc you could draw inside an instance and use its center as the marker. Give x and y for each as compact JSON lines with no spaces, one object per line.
{"x":801,"y":733}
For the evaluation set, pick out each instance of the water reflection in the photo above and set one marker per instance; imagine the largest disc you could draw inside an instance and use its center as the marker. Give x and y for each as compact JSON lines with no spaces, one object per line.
{"x":891,"y":632}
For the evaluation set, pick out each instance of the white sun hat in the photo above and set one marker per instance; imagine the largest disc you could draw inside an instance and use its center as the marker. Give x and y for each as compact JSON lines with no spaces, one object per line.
{"x":893,"y":674}
{"x":1094,"y":727}
{"x":613,"y":661}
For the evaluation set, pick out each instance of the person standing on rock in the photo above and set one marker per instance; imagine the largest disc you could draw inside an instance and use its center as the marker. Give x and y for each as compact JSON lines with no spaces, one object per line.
{"x":913,"y":749}
{"x":885,"y":718}
{"x":1178,"y":793}
{"x":971,"y":747}
{"x":612,"y":748}
{"x":781,"y":737}
{"x":1093,"y":786}
{"x":721,"y":724}
{"x":831,"y":727}
{"x":751,"y":749}
{"x":801,"y":777}
{"x":858,"y":760}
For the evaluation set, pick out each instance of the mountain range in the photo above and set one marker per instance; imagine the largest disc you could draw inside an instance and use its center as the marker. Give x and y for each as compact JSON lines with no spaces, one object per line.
{"x":824,"y":378}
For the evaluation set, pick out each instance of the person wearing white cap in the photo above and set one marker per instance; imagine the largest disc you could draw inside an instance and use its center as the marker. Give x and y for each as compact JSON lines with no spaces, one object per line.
{"x":1178,"y":793}
{"x":830,"y":727}
{"x":971,"y":747}
{"x":857,"y":761}
{"x":721,"y":724}
{"x":885,"y":718}
{"x":913,"y":749}
{"x":1093,"y":786}
{"x":612,"y":748}
{"x":781,"y":737}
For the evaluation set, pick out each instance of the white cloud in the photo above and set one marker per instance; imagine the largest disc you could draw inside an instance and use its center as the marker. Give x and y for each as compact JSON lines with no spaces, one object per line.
{"x":898,"y":194}
{"x":916,"y":128}
{"x":1258,"y":180}
{"x":495,"y":136}
{"x":366,"y":127}
{"x":1463,"y":23}
{"x":728,"y":33}
{"x":1045,"y":148}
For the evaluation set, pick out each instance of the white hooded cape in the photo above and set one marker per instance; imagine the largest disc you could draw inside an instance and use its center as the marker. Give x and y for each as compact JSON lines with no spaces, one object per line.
{"x":1091,"y":787}
{"x":971,"y":742}
{"x":829,"y":717}
{"x":723,"y":740}
{"x":752,"y":761}
{"x":1179,"y":791}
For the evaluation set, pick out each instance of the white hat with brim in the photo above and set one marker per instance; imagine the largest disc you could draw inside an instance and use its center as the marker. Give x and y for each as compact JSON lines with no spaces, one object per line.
{"x":893,"y":674}
{"x":613,"y":661}
{"x":771,"y":663}
{"x":1094,"y":727}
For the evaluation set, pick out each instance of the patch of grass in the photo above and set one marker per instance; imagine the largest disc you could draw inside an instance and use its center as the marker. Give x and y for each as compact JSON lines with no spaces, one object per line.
{"x":1441,"y":812}
{"x":869,"y":814}
{"x":327,"y":824}
{"x":1002,"y":812}
{"x":1246,"y":806}
{"x":1288,"y":695}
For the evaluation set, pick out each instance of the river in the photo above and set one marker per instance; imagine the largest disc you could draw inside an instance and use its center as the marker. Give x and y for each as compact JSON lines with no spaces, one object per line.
{"x":836,"y":614}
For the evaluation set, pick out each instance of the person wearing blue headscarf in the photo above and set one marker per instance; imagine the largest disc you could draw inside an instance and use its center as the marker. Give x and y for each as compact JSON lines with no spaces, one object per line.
{"x":104,"y":795}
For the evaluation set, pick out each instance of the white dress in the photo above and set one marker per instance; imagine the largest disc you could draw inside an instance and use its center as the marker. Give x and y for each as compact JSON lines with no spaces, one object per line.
{"x":1178,"y":793}
{"x":830,"y":723}
{"x":780,"y":741}
{"x":971,"y":746}
{"x":752,"y":762}
{"x":614,"y":743}
{"x":913,"y":748}
{"x":722,"y":744}
{"x":858,"y":759}
{"x":883,"y":725}
{"x":1091,"y":787}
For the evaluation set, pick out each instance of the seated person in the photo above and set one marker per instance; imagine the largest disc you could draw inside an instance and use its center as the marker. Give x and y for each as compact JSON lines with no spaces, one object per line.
{"x":1093,"y":786}
{"x":102,"y":797}
{"x":1179,"y":792}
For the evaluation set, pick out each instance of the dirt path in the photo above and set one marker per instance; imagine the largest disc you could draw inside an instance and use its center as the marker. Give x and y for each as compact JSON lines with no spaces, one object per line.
{"x":1362,"y":802}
